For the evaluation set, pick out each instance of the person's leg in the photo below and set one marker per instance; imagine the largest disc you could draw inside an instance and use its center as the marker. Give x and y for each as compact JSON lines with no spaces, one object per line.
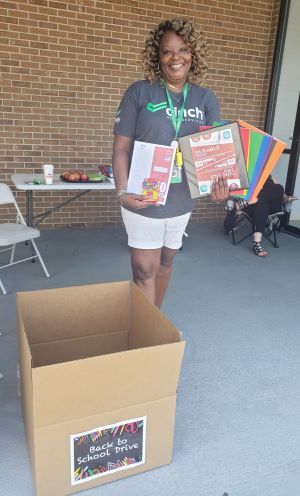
{"x":153,"y":244}
{"x":151,"y":271}
{"x":164,"y":273}
{"x":273,"y":195}
{"x":145,"y":240}
{"x":259,"y":213}
{"x":145,"y":268}
{"x":257,"y":247}
{"x":174,"y":229}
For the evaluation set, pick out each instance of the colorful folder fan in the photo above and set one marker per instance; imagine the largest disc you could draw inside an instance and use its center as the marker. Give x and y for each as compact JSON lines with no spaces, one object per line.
{"x":262,"y":152}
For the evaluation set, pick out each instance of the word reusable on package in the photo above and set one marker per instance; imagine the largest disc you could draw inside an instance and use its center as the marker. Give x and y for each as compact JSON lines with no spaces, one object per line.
{"x":107,"y":449}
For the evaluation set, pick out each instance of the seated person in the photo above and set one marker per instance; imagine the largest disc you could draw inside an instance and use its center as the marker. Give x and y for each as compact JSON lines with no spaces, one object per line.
{"x":269,"y":201}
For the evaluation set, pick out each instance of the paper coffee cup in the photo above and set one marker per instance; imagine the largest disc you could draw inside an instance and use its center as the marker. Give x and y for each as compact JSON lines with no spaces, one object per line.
{"x":48,"y":173}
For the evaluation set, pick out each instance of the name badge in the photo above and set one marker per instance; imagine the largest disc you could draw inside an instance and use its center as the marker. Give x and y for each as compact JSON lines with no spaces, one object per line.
{"x":178,"y":163}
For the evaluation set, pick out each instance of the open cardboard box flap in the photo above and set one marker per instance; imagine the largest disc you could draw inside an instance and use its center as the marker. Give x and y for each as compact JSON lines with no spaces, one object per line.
{"x":125,"y":352}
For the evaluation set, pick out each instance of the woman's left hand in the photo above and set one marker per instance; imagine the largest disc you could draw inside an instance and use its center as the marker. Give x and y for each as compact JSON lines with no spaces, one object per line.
{"x":219,"y":189}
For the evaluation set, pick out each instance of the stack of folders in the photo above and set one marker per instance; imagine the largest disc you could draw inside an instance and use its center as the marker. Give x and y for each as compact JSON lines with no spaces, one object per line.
{"x":244,"y":155}
{"x":262,"y":152}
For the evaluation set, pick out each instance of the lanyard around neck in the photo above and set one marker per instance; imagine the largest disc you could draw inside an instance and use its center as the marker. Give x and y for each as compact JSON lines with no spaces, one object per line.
{"x":177,"y":119}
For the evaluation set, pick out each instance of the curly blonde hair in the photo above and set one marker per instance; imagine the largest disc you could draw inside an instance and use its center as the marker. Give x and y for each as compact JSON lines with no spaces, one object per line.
{"x":194,"y":40}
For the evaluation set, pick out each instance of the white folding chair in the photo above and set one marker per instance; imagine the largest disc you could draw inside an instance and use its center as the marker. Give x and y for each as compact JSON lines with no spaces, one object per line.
{"x":13,"y":233}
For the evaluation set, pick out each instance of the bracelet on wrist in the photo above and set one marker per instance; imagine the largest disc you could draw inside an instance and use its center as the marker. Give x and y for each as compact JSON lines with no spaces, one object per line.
{"x":120,"y":194}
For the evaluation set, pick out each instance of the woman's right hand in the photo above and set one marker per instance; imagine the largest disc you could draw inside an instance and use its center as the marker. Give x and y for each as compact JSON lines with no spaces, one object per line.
{"x":219,"y":189}
{"x":134,"y":201}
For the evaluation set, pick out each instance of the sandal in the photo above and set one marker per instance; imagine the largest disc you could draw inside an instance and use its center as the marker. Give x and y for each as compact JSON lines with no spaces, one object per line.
{"x":258,"y":249}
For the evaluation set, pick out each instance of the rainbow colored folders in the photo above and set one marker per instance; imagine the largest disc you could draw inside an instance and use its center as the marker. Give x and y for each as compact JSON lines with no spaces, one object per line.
{"x":262,"y":152}
{"x":246,"y":162}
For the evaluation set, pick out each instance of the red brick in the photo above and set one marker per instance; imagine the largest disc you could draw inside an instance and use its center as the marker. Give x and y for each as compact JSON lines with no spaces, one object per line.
{"x":65,"y":66}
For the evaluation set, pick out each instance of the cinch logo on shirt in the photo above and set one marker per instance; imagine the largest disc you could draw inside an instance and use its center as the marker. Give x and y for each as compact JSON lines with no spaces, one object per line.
{"x":155,"y":107}
{"x":192,"y":113}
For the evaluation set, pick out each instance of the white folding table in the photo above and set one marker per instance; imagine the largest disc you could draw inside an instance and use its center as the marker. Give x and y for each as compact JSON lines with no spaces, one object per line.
{"x":24,"y":182}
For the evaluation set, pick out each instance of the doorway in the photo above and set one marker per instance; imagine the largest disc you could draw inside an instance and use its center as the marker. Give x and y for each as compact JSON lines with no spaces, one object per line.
{"x":293,"y":177}
{"x":283,"y":115}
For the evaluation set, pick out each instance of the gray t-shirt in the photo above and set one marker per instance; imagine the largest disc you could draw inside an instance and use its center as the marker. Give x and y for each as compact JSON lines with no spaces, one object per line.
{"x":144,"y":115}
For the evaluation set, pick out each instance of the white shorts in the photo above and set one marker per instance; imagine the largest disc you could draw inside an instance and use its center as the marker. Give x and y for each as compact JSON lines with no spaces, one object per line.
{"x":147,"y":233}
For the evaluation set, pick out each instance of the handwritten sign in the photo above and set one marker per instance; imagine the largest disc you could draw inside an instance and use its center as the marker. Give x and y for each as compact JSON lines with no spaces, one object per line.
{"x":107,"y":449}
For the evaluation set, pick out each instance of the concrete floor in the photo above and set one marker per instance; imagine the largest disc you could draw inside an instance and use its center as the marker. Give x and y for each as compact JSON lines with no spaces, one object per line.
{"x":237,"y":427}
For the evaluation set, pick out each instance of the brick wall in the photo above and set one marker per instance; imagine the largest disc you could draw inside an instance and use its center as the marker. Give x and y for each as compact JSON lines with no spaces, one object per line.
{"x":66,"y":64}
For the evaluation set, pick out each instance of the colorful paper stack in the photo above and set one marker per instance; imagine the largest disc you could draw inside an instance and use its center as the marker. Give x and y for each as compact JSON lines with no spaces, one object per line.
{"x":262,"y":153}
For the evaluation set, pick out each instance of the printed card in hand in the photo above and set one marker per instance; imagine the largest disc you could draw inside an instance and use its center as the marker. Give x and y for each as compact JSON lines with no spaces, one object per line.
{"x":154,"y":163}
{"x":150,"y":189}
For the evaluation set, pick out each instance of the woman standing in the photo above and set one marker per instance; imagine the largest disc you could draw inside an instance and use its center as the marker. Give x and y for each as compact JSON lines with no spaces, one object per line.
{"x":166,"y":105}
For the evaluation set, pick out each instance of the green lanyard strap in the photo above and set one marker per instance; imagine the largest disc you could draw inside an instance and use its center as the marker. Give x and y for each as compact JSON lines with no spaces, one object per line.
{"x":177,"y":119}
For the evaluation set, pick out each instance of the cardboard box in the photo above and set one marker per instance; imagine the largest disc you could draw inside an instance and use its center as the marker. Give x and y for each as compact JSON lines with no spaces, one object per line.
{"x":99,"y":371}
